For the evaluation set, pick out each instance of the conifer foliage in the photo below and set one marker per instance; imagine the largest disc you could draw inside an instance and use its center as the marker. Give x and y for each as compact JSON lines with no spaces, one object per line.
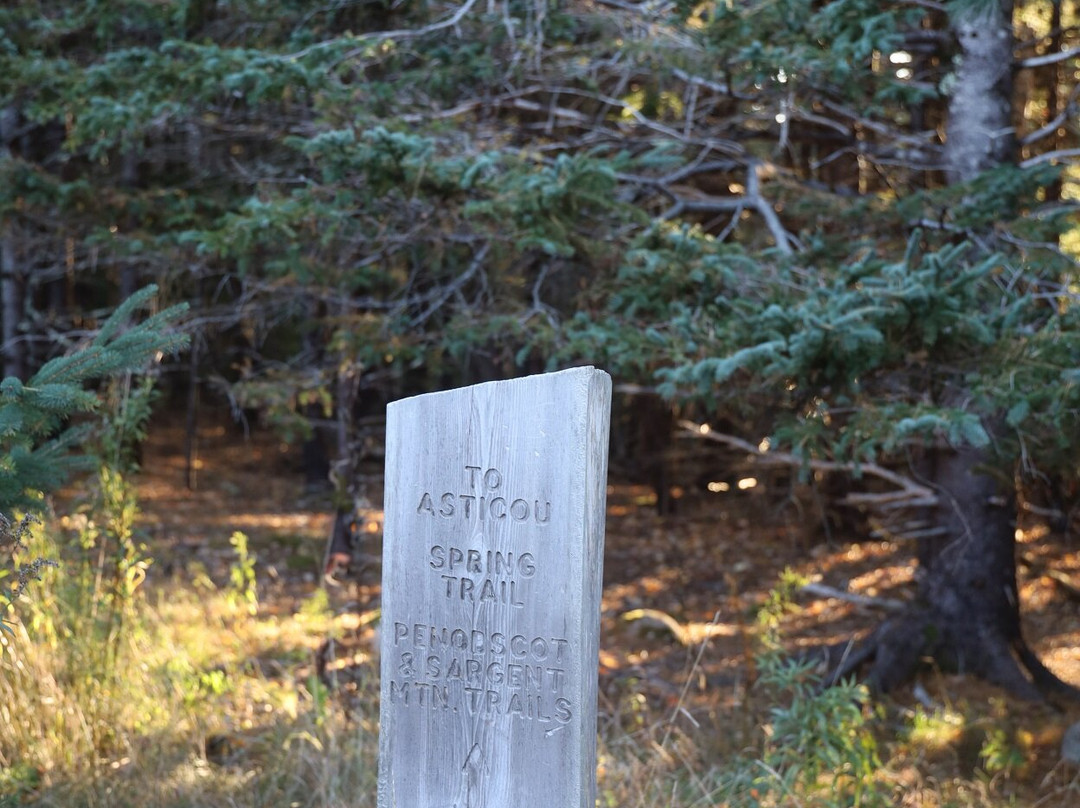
{"x":40,"y":427}
{"x":759,"y":209}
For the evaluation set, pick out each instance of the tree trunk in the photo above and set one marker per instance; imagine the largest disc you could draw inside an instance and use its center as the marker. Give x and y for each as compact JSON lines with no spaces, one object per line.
{"x":966,"y":615}
{"x":11,"y":288}
{"x":11,"y":305}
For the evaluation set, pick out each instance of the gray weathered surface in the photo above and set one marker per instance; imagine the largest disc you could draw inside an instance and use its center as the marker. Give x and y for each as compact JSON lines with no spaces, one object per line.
{"x":494,"y":533}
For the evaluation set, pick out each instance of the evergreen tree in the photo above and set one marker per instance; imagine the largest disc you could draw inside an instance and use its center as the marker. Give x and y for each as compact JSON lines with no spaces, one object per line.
{"x":40,"y":429}
{"x":750,"y":206}
{"x":930,"y":352}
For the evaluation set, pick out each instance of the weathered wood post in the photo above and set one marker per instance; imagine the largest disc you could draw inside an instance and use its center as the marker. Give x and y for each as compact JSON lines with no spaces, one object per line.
{"x":494,"y":538}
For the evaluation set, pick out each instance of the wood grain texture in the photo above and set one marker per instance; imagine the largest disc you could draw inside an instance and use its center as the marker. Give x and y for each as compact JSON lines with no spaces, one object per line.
{"x":492,"y":565}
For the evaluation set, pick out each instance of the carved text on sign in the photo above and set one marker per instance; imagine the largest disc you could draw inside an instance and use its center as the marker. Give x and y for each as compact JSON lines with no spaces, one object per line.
{"x":489,"y":505}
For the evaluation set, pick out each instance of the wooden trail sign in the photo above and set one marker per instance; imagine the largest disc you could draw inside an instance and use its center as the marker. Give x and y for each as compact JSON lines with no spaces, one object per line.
{"x":492,"y":559}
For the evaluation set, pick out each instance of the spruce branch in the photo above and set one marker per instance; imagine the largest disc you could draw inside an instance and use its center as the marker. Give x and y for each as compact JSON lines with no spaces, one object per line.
{"x":36,"y":442}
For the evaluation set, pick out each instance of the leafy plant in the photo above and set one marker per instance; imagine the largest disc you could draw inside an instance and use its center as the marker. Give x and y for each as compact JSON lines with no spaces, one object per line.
{"x":819,"y":746}
{"x":11,"y":542}
{"x":242,"y":593}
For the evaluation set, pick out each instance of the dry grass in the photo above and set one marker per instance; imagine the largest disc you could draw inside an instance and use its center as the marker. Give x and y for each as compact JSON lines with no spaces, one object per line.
{"x":201,"y":704}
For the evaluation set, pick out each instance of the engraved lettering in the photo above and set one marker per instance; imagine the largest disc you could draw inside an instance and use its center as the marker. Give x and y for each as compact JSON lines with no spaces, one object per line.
{"x":519,"y":648}
{"x":515,"y":674}
{"x":434,"y":667}
{"x":484,"y":673}
{"x":482,"y":507}
{"x":447,"y":508}
{"x":454,"y":671}
{"x":519,"y":510}
{"x":542,"y":518}
{"x":426,"y":505}
{"x":555,"y":675}
{"x":468,"y":499}
{"x":489,"y":562}
{"x":472,"y":671}
{"x":517,"y":705}
{"x":562,"y":710}
{"x":440,"y":696}
{"x":421,"y":689}
{"x":534,"y":677}
{"x":473,"y":564}
{"x":540,"y":716}
{"x":526,"y":565}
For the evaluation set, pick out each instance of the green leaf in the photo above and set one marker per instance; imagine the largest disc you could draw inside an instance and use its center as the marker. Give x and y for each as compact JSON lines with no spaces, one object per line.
{"x":1017,"y":413}
{"x":972,"y":432}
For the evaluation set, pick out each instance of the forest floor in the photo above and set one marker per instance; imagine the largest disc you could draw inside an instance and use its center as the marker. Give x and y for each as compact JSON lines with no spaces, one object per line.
{"x":679,"y":633}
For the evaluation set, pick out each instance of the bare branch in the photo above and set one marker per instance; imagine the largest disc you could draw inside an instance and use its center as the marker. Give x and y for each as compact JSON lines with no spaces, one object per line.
{"x":926,"y":138}
{"x":765,"y":208}
{"x":1048,"y":58}
{"x":452,"y":287}
{"x":1052,"y":126}
{"x":412,"y":33}
{"x":688,"y":199}
{"x":909,"y":492}
{"x":1050,"y":156}
{"x":715,"y":86}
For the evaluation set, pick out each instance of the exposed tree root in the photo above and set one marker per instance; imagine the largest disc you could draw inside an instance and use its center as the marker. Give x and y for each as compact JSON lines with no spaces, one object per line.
{"x":967,"y":616}
{"x":900,"y":646}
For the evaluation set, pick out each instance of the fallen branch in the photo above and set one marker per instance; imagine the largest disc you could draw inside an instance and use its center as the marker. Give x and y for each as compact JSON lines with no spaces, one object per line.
{"x":655,"y":618}
{"x":1066,"y":582}
{"x":823,"y":591}
{"x":688,"y":634}
{"x":1037,"y":567}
